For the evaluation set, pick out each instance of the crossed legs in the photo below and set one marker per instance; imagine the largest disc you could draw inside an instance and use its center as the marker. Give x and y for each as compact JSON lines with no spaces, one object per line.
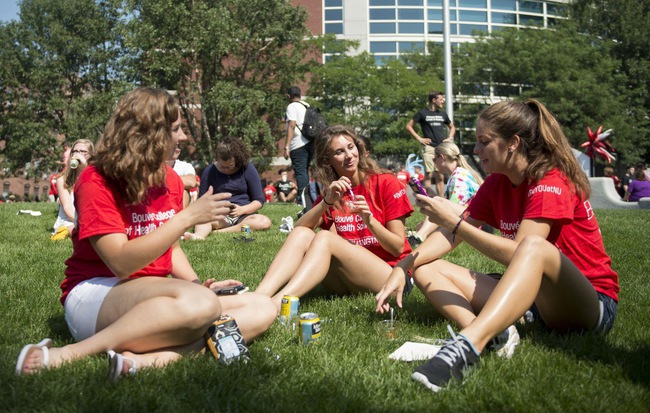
{"x":483,"y":307}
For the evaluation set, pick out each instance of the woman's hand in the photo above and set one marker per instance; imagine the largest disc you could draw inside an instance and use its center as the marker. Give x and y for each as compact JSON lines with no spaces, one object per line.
{"x":236,"y":211}
{"x":438,"y":210}
{"x":336,"y":190}
{"x":361,"y":208}
{"x":394,"y":286}
{"x":209,"y":208}
{"x":217,"y":285}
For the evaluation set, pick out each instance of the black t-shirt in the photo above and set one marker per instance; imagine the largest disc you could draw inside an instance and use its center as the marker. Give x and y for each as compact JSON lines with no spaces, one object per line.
{"x":285,"y":187}
{"x":432,"y":123}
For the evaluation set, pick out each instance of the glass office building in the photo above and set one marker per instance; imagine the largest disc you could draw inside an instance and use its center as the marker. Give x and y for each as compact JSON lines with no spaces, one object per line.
{"x":388,"y":28}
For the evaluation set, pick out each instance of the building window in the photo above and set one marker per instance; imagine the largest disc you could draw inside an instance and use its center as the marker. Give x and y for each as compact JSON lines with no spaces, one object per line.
{"x":504,"y":18}
{"x":556,"y":9}
{"x":504,"y":5}
{"x":334,"y":28}
{"x":333,"y":3}
{"x":411,"y":47}
{"x":411,"y":14}
{"x":473,"y":16}
{"x":409,"y":2}
{"x":383,"y":47}
{"x":531,"y":7}
{"x":411,"y":28}
{"x":469,"y":29}
{"x":528,"y":20}
{"x":382,"y":28}
{"x":382,"y":2}
{"x":334,"y":15}
{"x":434,"y":14}
{"x":382,"y":14}
{"x":476,"y":4}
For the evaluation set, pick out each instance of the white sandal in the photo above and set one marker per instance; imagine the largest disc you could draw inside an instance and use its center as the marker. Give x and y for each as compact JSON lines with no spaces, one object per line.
{"x":116,"y":363}
{"x":44,"y":345}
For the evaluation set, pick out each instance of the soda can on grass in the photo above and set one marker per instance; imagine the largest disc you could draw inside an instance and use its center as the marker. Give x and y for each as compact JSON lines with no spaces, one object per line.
{"x":246,"y":231}
{"x":289,"y":309}
{"x":309,"y":328}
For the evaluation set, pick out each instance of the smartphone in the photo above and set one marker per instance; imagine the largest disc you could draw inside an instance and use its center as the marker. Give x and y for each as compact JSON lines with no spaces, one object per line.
{"x":416,"y":186}
{"x":232,"y":290}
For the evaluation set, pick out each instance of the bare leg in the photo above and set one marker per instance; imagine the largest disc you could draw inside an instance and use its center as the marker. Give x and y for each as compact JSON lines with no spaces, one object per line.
{"x":538,"y":272}
{"x":145,"y":315}
{"x":253,"y":312}
{"x":257,"y":222}
{"x":439,"y":180}
{"x":342,"y":267}
{"x":457,"y":293}
{"x":287,"y":261}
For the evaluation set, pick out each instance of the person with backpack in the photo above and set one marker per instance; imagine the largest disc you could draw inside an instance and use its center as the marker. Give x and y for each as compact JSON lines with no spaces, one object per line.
{"x":297,"y":146}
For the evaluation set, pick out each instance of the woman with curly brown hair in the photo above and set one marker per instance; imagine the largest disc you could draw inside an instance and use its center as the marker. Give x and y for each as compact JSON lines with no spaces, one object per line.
{"x":117,"y":293}
{"x":235,"y":174}
{"x":361,"y":215}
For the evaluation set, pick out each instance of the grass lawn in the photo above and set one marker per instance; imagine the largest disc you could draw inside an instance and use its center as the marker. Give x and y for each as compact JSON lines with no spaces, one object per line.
{"x":348,"y":369}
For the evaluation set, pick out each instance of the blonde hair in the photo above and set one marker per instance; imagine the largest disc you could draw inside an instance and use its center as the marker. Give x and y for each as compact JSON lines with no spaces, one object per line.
{"x":452,"y":152}
{"x":543,"y":143}
{"x":136,"y":142}
{"x":70,"y":175}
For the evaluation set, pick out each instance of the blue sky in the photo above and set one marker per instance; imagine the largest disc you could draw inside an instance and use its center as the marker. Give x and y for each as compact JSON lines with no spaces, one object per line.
{"x":9,"y":10}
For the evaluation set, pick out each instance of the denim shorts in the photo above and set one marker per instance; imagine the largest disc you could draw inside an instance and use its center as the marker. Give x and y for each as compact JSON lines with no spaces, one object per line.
{"x":606,"y":317}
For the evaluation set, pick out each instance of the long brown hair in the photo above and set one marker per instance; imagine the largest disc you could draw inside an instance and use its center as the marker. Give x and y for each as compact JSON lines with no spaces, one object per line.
{"x":70,"y":175}
{"x":543,"y":143}
{"x":136,"y":142}
{"x":324,"y":172}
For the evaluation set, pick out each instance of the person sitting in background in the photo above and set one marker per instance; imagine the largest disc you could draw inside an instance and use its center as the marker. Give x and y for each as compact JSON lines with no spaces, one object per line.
{"x":117,"y":294}
{"x":187,"y":173}
{"x":81,"y":152}
{"x":402,"y":175}
{"x":463,"y":183}
{"x":609,"y":171}
{"x":269,"y":191}
{"x":233,"y":173}
{"x":361,"y":214}
{"x":638,"y":188}
{"x":53,"y":195}
{"x":626,"y":179}
{"x":285,"y":188}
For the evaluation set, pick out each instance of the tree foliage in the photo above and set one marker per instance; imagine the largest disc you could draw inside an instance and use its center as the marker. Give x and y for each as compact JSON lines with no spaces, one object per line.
{"x":229,"y":60}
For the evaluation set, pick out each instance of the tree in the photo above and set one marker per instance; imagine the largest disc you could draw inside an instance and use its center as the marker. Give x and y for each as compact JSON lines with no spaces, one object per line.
{"x":229,"y":60}
{"x":377,"y":100}
{"x":62,"y":77}
{"x":573,"y":74}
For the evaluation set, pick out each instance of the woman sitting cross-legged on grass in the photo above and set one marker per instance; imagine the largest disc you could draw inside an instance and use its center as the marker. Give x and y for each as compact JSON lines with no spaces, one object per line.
{"x":361,"y":213}
{"x":117,"y":294}
{"x":537,"y":196}
{"x":235,"y":174}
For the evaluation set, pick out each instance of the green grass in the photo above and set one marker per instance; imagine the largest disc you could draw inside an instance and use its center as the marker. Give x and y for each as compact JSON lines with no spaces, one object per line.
{"x":348,"y":369}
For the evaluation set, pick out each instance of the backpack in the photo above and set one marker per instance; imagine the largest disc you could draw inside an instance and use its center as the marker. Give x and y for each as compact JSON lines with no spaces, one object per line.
{"x":313,"y":124}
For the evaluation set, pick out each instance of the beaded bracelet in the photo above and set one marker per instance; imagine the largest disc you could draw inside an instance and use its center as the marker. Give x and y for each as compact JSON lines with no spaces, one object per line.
{"x":453,"y":233}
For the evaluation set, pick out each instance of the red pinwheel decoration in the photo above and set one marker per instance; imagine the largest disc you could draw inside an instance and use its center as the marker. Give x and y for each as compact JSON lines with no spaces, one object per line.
{"x":596,"y":145}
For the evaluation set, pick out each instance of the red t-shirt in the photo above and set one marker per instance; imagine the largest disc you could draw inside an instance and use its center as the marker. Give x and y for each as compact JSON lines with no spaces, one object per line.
{"x":53,"y":190}
{"x":403,"y":177}
{"x":575,"y":231}
{"x":269,"y":191}
{"x":102,"y":210}
{"x":387,"y":200}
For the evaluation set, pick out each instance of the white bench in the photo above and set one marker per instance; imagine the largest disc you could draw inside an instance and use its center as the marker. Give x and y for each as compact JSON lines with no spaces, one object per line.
{"x":605,"y":196}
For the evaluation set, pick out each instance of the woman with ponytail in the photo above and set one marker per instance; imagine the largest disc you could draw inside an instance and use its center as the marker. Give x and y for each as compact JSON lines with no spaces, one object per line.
{"x":461,"y":186}
{"x":557,"y":269}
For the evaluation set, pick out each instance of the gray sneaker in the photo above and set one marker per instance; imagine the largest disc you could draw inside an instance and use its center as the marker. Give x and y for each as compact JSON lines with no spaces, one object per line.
{"x":505,"y":342}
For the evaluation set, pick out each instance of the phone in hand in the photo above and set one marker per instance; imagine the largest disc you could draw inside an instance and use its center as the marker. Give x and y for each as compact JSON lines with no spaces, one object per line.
{"x":416,"y":186}
{"x":232,"y":290}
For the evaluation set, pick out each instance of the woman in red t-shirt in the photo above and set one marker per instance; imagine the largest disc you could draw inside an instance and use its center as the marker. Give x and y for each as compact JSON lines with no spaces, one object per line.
{"x":117,"y":293}
{"x":361,"y":213}
{"x":537,"y":196}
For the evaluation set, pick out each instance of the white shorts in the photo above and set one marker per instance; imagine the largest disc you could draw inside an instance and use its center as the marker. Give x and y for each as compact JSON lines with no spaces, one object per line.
{"x":83,"y":303}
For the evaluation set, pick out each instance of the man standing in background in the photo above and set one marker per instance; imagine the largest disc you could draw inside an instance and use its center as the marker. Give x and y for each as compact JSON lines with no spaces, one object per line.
{"x":296,"y":146}
{"x":432,"y":120}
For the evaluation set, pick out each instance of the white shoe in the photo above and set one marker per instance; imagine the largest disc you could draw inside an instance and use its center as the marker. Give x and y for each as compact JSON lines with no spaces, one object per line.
{"x":505,"y":342}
